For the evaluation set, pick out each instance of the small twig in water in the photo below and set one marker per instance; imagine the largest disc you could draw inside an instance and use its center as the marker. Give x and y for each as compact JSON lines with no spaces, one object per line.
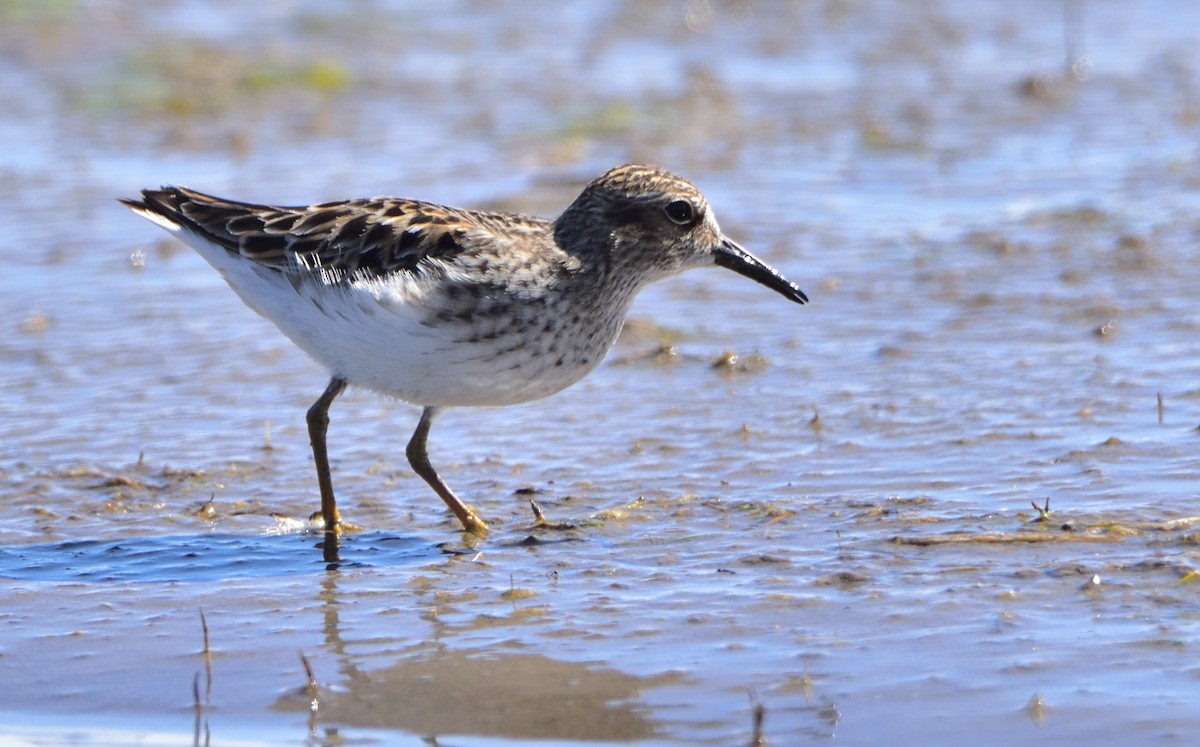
{"x":311,"y":683}
{"x":540,"y":522}
{"x":538,"y":516}
{"x":207,"y":659}
{"x":1043,"y":511}
{"x":311,"y":686}
{"x":758,"y":714}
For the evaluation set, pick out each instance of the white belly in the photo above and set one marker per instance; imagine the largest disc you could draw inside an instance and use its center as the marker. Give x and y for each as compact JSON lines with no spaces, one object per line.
{"x":381,"y":335}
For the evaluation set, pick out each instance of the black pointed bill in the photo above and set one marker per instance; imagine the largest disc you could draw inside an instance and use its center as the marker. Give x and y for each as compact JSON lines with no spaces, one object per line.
{"x":730,"y":255}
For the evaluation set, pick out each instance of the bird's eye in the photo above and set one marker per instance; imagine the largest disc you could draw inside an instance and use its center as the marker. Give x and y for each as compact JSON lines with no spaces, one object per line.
{"x":681,"y":212}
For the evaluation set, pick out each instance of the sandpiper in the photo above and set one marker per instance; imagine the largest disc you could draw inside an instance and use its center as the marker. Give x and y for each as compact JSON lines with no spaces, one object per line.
{"x":444,"y":307}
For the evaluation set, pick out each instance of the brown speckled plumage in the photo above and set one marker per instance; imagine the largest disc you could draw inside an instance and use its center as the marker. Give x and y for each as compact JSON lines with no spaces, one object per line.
{"x":361,"y":238}
{"x":442,"y":306}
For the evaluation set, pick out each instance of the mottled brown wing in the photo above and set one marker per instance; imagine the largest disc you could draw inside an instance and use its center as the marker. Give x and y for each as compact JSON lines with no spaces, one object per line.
{"x":355,"y":238}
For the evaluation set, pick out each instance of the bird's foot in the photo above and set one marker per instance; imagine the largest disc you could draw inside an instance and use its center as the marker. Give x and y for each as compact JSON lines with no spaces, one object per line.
{"x":338,"y":526}
{"x":472,"y":523}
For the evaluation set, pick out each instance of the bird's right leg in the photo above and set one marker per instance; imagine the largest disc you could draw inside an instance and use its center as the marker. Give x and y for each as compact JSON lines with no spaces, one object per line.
{"x":418,"y":457}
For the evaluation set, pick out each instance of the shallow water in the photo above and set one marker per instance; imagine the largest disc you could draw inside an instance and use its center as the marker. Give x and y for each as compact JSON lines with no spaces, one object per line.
{"x":837,"y":526}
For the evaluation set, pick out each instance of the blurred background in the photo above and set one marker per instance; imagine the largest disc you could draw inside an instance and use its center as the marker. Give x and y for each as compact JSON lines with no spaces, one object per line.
{"x":993,"y":207}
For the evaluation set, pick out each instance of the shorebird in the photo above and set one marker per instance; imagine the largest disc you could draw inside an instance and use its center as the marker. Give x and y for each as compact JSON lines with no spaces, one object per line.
{"x":445,"y":307}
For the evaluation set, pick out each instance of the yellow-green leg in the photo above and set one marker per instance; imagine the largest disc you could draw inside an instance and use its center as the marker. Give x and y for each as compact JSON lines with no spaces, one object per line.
{"x":418,"y":457}
{"x":318,"y":424}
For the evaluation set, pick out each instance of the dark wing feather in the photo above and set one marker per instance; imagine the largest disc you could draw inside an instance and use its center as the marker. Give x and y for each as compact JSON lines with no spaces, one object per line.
{"x":353,"y":238}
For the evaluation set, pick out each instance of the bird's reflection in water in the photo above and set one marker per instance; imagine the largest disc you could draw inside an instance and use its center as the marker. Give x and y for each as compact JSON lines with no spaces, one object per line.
{"x":432,"y":689}
{"x":517,"y":696}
